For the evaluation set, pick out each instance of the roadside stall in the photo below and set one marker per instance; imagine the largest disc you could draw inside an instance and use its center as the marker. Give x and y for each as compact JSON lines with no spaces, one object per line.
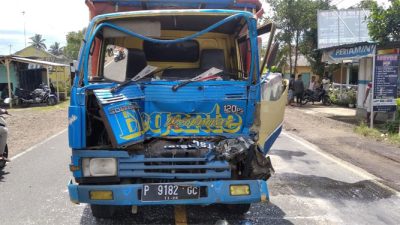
{"x":60,"y":77}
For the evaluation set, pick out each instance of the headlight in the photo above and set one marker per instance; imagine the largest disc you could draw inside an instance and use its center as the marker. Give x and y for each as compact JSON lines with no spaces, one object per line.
{"x":99,"y":167}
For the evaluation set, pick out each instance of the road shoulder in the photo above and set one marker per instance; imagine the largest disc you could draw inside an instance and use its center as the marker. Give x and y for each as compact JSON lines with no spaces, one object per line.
{"x":338,"y":139}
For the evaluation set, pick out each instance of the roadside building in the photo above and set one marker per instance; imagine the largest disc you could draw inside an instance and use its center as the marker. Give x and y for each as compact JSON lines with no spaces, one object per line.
{"x":344,"y":41}
{"x":60,"y":74}
{"x":303,"y":68}
{"x":27,"y":73}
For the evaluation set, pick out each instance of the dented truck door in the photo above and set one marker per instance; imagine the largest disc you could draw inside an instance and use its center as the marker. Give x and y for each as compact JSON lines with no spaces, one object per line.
{"x":272,"y":108}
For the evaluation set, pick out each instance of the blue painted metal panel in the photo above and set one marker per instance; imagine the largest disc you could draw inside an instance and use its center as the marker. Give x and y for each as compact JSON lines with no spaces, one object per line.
{"x":271,"y":139}
{"x":75,"y":131}
{"x":164,"y":168}
{"x":128,"y":194}
{"x":153,"y":109}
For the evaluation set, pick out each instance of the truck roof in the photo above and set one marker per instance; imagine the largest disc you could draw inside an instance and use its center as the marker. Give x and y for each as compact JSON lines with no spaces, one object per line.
{"x":97,"y":7}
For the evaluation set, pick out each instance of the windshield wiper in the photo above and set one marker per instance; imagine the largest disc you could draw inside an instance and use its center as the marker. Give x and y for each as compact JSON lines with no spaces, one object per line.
{"x":148,"y":70}
{"x":209,"y":73}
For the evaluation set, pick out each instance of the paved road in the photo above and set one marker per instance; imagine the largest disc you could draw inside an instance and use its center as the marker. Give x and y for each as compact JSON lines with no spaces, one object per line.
{"x":308,"y":188}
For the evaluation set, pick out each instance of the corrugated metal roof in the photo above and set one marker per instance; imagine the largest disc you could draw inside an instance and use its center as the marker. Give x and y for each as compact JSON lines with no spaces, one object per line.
{"x":32,"y":61}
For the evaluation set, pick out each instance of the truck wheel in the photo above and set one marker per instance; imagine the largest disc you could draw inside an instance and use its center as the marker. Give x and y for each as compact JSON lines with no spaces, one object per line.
{"x":103,"y":211}
{"x":239,"y":209}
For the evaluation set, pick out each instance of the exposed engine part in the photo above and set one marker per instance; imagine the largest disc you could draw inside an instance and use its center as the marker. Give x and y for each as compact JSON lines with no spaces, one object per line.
{"x":178,"y":148}
{"x":194,"y":145}
{"x":256,"y":165}
{"x":231,"y":148}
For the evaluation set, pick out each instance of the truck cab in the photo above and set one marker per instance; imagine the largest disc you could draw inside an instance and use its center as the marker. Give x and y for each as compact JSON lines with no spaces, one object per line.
{"x":168,"y":107}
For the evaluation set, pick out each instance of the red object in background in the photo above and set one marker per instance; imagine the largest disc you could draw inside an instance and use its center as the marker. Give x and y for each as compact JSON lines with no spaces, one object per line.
{"x":97,"y":7}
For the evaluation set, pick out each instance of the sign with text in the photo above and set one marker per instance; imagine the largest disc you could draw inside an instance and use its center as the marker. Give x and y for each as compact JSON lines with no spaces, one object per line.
{"x":385,"y":82}
{"x":337,"y":55}
{"x":339,"y":27}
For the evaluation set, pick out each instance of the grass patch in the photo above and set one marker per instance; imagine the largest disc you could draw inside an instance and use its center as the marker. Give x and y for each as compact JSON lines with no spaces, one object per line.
{"x":62,"y":105}
{"x":376,"y":134}
{"x":43,"y":107}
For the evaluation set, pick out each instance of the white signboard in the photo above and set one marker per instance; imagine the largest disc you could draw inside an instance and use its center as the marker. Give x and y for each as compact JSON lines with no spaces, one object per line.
{"x":339,"y":27}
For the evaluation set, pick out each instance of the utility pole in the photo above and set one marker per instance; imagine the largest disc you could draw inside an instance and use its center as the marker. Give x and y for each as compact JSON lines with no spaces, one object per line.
{"x":23,"y":14}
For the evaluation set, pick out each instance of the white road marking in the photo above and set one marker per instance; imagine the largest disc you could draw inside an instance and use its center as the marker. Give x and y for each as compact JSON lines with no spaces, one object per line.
{"x":108,"y":63}
{"x":36,"y":145}
{"x":357,"y":170}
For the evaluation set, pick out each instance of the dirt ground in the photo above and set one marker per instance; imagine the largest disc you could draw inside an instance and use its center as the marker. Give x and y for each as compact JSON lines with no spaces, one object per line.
{"x":29,"y":126}
{"x":338,"y":139}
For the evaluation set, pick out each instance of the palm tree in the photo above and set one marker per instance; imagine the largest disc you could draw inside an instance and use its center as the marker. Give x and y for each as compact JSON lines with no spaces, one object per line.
{"x":38,"y":42}
{"x":55,"y":49}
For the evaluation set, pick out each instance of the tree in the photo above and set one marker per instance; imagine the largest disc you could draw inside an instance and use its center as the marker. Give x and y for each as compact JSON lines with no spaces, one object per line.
{"x":366,"y":4}
{"x":309,"y":44}
{"x":74,"y":39}
{"x":383,"y":25}
{"x":55,"y":49}
{"x":297,"y":21}
{"x":38,"y":42}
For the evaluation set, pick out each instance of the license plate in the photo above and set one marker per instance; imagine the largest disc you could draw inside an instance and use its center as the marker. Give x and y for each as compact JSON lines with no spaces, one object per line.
{"x":163,"y":192}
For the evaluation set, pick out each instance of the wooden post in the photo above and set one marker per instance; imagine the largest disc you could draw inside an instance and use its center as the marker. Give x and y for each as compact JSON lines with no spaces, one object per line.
{"x":65,"y":82}
{"x":47,"y":75}
{"x":8,"y":81}
{"x":58,"y":92}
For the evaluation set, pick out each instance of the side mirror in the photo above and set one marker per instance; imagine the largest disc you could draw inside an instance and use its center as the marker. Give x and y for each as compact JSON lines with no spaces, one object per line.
{"x":115,"y":63}
{"x":7,"y":100}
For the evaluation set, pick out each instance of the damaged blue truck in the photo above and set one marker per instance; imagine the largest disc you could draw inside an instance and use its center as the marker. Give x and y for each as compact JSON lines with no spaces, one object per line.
{"x":168,"y":106}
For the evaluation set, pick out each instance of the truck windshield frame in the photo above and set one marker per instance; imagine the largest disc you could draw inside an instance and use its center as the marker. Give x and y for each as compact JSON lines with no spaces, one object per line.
{"x":93,"y":30}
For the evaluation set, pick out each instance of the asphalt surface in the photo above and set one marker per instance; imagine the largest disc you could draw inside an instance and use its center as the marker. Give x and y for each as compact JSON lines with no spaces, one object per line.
{"x":309,"y":187}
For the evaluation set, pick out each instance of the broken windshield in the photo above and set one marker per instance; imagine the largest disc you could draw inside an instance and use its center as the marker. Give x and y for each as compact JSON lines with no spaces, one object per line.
{"x":179,"y":53}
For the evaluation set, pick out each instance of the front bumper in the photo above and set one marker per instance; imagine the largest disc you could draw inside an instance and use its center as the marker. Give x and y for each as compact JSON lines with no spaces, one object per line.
{"x":128,"y":194}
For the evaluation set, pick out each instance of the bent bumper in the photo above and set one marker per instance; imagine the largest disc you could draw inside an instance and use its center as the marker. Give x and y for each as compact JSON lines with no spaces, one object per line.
{"x":129,"y":194}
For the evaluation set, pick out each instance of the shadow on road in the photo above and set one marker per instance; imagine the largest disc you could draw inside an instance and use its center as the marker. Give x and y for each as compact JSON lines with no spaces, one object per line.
{"x":286,"y":154}
{"x":261,"y":213}
{"x":327,"y":188}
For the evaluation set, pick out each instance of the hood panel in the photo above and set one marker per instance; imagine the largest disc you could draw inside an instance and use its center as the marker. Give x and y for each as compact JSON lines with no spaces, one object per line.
{"x":154,"y":110}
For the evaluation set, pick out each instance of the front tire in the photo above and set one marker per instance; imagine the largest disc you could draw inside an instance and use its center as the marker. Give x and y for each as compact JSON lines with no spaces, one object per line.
{"x":103,"y":211}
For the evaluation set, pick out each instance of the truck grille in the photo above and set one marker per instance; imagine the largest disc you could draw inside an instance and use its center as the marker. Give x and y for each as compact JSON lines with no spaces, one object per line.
{"x":173,"y":168}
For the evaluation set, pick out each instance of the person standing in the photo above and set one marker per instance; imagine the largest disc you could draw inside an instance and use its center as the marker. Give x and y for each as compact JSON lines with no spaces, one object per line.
{"x":299,"y":89}
{"x":313,"y":84}
{"x":291,"y":90}
{"x":326,"y":83}
{"x":368,"y":102}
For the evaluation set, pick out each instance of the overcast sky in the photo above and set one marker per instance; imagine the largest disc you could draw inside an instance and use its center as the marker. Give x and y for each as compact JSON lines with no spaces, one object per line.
{"x":53,"y":19}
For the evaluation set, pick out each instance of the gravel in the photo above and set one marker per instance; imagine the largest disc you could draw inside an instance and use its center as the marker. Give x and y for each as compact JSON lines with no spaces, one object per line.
{"x":29,"y":126}
{"x":339,"y":139}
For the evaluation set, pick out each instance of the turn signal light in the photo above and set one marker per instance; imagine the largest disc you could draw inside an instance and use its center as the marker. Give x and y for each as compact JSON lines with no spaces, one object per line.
{"x":239,"y":189}
{"x":101,"y":195}
{"x":74,"y":168}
